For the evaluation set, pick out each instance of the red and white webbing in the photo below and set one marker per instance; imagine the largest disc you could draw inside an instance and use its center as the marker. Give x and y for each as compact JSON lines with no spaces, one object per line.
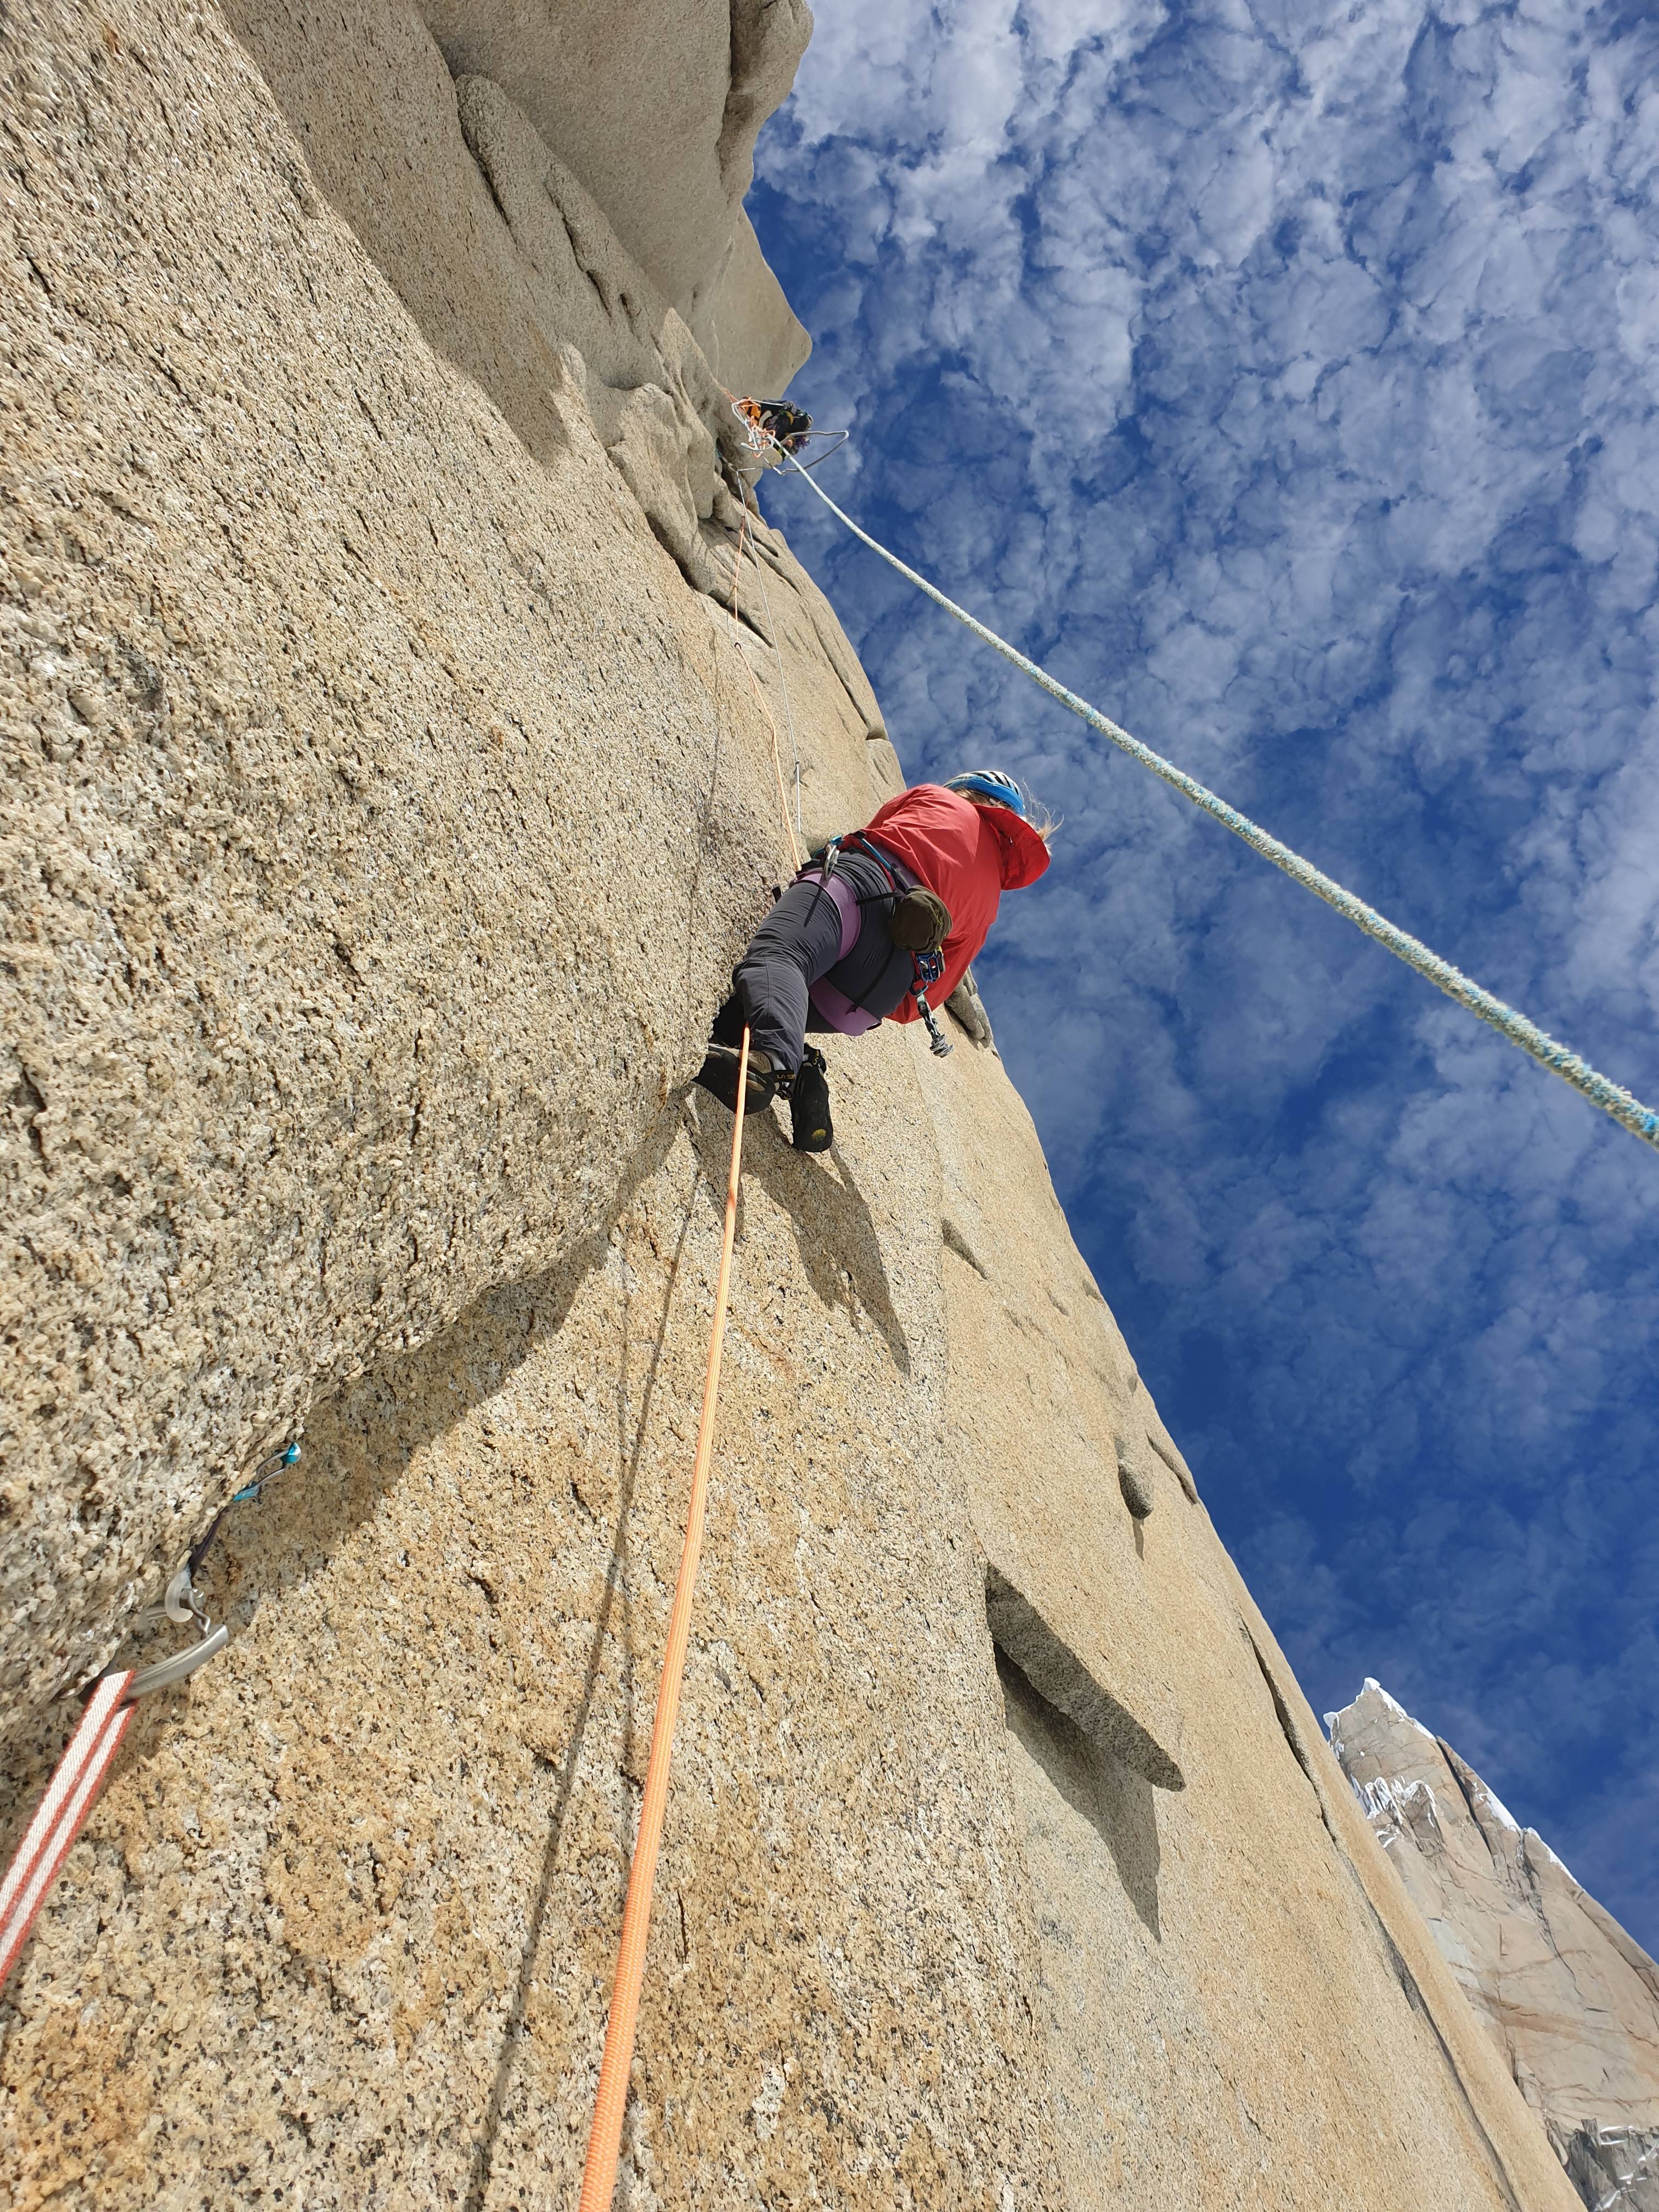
{"x":61,"y":1814}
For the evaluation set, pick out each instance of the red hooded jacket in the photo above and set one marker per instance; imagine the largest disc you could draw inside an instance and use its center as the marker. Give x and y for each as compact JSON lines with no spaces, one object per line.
{"x":969,"y":855}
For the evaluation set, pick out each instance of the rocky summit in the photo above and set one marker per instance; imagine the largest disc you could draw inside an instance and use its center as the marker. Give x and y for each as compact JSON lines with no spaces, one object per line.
{"x":402,"y":701}
{"x":1569,"y":2000}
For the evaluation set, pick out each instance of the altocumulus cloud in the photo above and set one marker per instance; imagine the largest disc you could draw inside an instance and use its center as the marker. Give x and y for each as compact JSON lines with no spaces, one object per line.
{"x":1282,"y":377}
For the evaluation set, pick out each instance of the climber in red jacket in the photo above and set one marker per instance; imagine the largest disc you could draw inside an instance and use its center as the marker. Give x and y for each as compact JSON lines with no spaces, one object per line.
{"x":881,"y":925}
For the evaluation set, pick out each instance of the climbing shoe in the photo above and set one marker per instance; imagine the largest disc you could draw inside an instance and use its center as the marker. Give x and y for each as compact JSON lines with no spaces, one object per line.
{"x":809,"y":1105}
{"x":718,"y":1074}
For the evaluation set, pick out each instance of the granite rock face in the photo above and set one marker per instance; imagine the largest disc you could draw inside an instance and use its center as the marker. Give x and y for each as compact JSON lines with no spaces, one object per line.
{"x":1569,"y":2000}
{"x":656,"y":109}
{"x":395,"y":759}
{"x":341,"y":717}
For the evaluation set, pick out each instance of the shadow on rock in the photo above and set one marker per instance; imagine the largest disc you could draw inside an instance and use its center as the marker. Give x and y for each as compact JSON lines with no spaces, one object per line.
{"x":387,"y":1415}
{"x":840,"y":1250}
{"x":1119,"y":1804}
{"x":398,"y":1407}
{"x":391,"y":1413}
{"x":630,"y":1447}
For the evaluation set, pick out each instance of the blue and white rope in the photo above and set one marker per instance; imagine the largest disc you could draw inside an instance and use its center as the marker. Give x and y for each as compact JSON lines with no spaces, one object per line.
{"x":1641,"y":1121}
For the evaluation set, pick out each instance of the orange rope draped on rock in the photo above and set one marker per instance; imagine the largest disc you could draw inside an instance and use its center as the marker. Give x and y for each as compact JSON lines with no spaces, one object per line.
{"x":777,"y":760}
{"x":604,"y":2139}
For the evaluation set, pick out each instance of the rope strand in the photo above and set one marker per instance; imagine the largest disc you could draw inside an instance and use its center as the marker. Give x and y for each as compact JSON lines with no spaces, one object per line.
{"x":791,"y":836}
{"x":1641,"y":1121}
{"x":783,"y":684}
{"x":610,"y":2099}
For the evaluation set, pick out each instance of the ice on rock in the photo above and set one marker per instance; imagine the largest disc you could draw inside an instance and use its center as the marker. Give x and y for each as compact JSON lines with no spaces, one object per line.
{"x":1571,"y":2001}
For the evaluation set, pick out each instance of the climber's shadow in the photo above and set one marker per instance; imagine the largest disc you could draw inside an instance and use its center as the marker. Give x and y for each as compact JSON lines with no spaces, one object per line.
{"x":401,"y":1405}
{"x":360,"y":1442}
{"x":835,"y":1235}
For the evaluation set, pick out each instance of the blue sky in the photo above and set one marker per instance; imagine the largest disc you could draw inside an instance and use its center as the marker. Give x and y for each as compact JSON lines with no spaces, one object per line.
{"x":1283,"y":377}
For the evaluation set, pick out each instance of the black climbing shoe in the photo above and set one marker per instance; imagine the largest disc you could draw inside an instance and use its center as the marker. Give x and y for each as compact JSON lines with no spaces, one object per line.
{"x":809,"y":1105}
{"x":718,"y":1074}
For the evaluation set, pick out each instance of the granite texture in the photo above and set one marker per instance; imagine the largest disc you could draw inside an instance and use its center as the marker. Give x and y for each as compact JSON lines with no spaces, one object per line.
{"x":380,"y":815}
{"x":1571,"y":2001}
{"x":390,"y":782}
{"x":656,"y":109}
{"x":1238,"y":2004}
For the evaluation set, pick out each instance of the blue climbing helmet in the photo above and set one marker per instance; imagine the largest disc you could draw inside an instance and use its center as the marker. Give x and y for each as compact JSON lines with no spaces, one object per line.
{"x":991,"y":783}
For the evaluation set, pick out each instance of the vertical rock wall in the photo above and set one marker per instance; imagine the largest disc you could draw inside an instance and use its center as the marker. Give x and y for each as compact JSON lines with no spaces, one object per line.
{"x":390,"y":783}
{"x":598,"y":82}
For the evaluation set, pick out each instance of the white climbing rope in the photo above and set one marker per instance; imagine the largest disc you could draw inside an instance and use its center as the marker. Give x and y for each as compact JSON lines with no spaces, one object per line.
{"x":1641,"y":1121}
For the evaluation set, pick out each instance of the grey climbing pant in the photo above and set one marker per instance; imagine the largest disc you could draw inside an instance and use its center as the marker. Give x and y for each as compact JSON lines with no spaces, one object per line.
{"x":799,"y":944}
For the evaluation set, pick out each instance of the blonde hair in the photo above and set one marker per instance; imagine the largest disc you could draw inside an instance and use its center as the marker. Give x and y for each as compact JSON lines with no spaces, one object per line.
{"x":1036,"y":814}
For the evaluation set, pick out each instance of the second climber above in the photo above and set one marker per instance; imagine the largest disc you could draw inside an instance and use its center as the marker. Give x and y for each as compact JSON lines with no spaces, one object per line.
{"x":881,"y":925}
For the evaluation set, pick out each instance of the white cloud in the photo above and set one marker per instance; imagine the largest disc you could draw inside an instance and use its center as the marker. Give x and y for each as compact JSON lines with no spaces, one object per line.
{"x":1284,"y":378}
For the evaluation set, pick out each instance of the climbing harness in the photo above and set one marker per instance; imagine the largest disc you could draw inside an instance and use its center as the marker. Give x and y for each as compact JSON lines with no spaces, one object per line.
{"x":1641,"y":1121}
{"x":925,"y":956}
{"x":80,"y":1774}
{"x":928,"y":959}
{"x":604,"y":2137}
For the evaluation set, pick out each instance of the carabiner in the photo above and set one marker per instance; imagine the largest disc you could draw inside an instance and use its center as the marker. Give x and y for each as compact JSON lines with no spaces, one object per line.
{"x":182,"y":1602}
{"x":182,"y":1665}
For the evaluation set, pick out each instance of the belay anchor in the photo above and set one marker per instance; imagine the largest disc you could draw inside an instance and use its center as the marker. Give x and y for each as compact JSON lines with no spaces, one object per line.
{"x":774,"y":427}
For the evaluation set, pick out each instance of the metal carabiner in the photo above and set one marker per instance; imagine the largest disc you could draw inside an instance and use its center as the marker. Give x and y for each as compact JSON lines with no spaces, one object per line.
{"x":182,"y":1665}
{"x":182,"y":1602}
{"x":937,"y":1043}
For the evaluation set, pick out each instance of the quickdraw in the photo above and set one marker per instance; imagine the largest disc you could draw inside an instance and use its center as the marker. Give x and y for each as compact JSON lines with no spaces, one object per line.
{"x":930,"y":966}
{"x":81,"y":1773}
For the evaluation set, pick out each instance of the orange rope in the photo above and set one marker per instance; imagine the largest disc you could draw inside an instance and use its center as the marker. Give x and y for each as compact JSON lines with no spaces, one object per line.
{"x":777,"y":759}
{"x":737,"y":568}
{"x":777,"y":765}
{"x":605,"y":2140}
